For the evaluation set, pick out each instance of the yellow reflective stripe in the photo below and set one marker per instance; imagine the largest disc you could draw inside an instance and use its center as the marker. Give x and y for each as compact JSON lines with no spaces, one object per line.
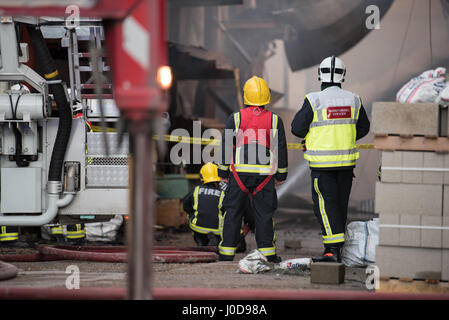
{"x":321,"y":205}
{"x":76,"y":236}
{"x":335,"y":238}
{"x":333,"y":163}
{"x":204,"y":230}
{"x":223,"y":167}
{"x":3,"y":229}
{"x":356,"y":115}
{"x":331,"y":152}
{"x":195,"y":204}
{"x":282,"y":170}
{"x":220,"y":202}
{"x":56,"y":230}
{"x":268,"y":251}
{"x":332,"y":122}
{"x":9,"y":235}
{"x":236,"y":121}
{"x":228,"y":251}
{"x":274,"y":124}
{"x":237,"y":155}
{"x":221,"y":227}
{"x":74,"y":233}
{"x":195,"y":199}
{"x":9,"y":238}
{"x":51,"y":75}
{"x":80,"y":232}
{"x":260,"y":170}
{"x":220,"y":214}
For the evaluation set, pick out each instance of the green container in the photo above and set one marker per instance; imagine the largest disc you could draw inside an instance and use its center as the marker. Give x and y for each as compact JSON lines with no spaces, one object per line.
{"x":172,"y":186}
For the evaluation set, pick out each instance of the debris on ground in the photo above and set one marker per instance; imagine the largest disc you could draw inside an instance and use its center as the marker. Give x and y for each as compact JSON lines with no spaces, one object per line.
{"x":255,"y":262}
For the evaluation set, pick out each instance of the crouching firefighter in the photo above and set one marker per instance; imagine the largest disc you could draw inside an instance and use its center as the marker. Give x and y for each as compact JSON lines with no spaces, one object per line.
{"x":204,"y":207}
{"x":330,"y":121}
{"x":254,"y":161}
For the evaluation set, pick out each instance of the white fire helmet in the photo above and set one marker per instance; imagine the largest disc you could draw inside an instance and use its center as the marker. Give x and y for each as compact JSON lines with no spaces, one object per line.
{"x":332,"y":70}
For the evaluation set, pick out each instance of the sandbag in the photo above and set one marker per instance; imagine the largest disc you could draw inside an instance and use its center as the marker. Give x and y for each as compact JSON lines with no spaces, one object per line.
{"x":104,"y":231}
{"x":254,"y":262}
{"x":424,"y":88}
{"x":443,"y":97}
{"x":361,"y":240}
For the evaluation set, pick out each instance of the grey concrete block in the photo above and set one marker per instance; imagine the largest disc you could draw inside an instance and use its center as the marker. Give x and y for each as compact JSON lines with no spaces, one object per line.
{"x":409,"y":262}
{"x":445,"y":240}
{"x":409,"y":199}
{"x":389,"y":236}
{"x":433,"y":160}
{"x":327,"y":273}
{"x":410,"y":237}
{"x":412,"y":159}
{"x":405,"y":118}
{"x":391,"y":159}
{"x":431,"y":238}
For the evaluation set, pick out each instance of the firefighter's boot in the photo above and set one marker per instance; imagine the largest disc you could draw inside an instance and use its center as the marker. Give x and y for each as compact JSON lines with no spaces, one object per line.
{"x":331,"y":254}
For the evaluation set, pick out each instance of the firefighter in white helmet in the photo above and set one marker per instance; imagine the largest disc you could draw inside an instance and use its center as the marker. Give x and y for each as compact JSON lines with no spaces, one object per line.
{"x":330,"y":121}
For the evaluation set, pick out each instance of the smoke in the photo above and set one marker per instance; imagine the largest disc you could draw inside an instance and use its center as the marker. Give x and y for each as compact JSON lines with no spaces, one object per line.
{"x":298,"y":173}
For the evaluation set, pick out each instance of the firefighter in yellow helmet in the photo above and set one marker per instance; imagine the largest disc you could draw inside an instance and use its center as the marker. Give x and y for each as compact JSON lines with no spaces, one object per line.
{"x":204,"y":207}
{"x":253,"y":161}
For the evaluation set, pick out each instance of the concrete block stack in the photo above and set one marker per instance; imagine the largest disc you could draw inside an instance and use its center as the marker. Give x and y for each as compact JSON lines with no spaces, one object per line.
{"x":412,"y":198}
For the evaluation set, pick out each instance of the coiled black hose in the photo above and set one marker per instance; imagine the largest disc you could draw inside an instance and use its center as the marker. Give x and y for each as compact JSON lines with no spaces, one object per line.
{"x":49,"y":71}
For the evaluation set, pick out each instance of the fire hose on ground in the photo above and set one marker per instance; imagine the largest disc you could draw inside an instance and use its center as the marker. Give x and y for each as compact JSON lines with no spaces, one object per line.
{"x":161,"y":254}
{"x":7,"y":271}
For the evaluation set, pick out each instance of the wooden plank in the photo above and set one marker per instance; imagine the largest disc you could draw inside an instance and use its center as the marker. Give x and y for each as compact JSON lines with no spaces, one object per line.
{"x":415,"y":143}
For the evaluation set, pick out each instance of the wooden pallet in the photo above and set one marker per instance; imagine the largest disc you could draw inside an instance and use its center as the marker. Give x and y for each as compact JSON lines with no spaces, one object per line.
{"x":410,"y":285}
{"x":411,"y":143}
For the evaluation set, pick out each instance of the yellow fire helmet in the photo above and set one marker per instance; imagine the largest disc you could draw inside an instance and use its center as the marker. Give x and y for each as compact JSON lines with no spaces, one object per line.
{"x":209,"y":173}
{"x":256,"y":92}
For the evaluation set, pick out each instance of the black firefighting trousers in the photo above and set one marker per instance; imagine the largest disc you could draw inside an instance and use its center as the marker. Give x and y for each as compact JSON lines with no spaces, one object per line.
{"x":330,"y":194}
{"x":264,"y":204}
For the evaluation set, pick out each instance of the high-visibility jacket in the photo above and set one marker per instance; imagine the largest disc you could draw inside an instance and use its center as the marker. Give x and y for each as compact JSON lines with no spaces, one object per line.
{"x":332,"y":133}
{"x":204,"y":206}
{"x":76,"y":231}
{"x":256,"y":129}
{"x":261,"y":148}
{"x":56,"y":230}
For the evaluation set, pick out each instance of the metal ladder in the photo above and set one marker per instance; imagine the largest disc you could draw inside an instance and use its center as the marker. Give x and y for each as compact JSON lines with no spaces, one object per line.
{"x":81,"y":91}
